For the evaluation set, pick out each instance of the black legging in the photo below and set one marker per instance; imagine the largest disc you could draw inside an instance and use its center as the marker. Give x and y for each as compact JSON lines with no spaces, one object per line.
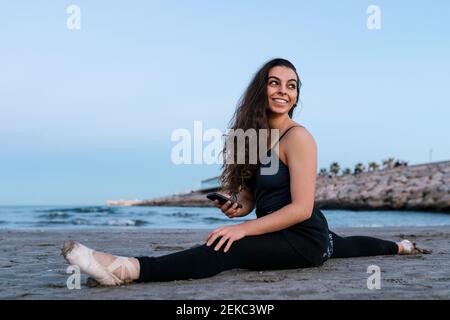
{"x":361,"y":246}
{"x":268,"y":251}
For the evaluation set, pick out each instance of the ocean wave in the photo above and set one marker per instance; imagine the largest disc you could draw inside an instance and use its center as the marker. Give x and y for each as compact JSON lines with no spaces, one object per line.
{"x":214,"y":219}
{"x":143,"y":213}
{"x":126,"y":222}
{"x":94,"y":209}
{"x":181,"y":214}
{"x":110,"y":223}
{"x":55,"y":214}
{"x":371,"y":225}
{"x":51,"y":222}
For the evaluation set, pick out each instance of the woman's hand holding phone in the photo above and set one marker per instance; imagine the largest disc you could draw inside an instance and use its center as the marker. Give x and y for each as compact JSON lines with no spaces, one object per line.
{"x":229,"y":208}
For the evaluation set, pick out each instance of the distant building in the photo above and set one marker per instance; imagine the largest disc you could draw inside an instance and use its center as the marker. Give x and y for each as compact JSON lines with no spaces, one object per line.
{"x":210,"y":183}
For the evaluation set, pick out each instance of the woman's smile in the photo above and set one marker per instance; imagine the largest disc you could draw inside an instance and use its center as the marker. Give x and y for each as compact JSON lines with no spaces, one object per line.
{"x":280,"y":101}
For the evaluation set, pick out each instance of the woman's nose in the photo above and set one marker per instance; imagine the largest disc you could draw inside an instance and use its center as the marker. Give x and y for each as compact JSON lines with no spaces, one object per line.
{"x":282,"y":91}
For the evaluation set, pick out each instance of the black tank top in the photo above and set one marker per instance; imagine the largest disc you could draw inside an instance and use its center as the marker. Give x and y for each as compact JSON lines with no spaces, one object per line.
{"x":310,"y":238}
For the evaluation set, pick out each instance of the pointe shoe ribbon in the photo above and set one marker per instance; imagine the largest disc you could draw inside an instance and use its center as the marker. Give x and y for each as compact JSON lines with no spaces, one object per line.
{"x":125,"y":264}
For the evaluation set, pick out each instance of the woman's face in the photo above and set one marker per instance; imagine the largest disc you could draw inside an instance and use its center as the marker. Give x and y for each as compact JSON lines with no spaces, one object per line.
{"x":281,"y":89}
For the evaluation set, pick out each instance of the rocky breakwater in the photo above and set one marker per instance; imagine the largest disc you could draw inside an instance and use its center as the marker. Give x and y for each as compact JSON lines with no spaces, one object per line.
{"x":423,"y":187}
{"x":188,"y":199}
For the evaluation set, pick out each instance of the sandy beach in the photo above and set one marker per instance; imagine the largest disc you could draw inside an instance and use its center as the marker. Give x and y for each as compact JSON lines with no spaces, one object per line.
{"x":31,"y":267}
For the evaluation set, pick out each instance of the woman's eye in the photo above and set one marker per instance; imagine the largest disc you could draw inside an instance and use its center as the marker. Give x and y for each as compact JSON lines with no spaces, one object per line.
{"x":274,"y":82}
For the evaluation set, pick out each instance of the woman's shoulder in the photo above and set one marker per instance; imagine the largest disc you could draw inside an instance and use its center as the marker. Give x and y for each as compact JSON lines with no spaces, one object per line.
{"x":298,"y":131}
{"x":299,"y":137}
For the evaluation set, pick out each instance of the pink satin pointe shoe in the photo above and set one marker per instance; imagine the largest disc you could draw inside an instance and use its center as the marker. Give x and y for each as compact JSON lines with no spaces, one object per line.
{"x":77,"y":254}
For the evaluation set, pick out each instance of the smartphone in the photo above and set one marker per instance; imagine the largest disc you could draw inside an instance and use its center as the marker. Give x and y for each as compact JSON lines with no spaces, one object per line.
{"x":222,"y":199}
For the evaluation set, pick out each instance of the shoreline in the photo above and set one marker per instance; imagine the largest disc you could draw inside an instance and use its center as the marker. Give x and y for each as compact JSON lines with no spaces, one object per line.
{"x":32,"y":268}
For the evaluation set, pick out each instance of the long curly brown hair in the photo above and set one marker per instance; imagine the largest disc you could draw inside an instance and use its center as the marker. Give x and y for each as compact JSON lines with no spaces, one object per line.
{"x":251,"y":113}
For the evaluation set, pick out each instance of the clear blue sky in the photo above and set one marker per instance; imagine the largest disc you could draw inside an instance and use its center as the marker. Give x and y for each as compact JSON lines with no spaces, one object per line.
{"x":86,"y":115}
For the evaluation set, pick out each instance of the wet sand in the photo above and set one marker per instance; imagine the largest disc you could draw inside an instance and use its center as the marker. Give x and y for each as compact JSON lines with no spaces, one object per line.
{"x":31,"y":267}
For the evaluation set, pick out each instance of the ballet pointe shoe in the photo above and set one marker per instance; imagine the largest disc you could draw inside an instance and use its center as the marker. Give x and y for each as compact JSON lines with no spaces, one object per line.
{"x":77,"y":254}
{"x":409,"y":247}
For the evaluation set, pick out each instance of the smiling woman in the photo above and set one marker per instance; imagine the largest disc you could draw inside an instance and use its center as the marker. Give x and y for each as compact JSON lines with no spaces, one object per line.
{"x":270,"y":98}
{"x":289,"y":232}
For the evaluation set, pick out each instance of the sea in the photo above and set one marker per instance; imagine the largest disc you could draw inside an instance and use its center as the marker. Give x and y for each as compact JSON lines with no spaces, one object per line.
{"x":126,"y":217}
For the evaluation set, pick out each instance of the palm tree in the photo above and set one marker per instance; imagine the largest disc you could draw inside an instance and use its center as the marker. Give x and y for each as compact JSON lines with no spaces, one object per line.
{"x":373,"y":166}
{"x":388,"y":163}
{"x":346,"y":171}
{"x":359,"y":167}
{"x":334,"y":168}
{"x":400,"y":163}
{"x":322,"y":172}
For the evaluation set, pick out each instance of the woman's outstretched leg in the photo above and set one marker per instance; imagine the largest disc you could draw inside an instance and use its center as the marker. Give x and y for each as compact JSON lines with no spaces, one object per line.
{"x":263,"y":252}
{"x":359,"y":246}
